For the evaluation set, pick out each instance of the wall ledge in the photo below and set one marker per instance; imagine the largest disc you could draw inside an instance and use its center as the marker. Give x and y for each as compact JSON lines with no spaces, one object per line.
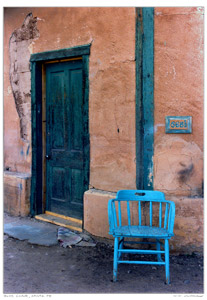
{"x":17,"y":193}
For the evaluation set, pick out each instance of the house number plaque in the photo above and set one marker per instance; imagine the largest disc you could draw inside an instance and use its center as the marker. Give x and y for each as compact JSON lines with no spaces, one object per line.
{"x":178,"y":124}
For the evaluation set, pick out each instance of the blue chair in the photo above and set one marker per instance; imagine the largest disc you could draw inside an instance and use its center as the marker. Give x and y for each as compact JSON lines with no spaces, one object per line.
{"x":145,"y":215}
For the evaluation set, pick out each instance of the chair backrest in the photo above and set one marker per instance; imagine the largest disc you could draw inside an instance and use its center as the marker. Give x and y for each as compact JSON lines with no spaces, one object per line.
{"x":141,"y":208}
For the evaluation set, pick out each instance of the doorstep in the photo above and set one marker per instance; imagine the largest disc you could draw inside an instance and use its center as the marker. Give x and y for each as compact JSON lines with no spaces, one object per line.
{"x":64,"y":221}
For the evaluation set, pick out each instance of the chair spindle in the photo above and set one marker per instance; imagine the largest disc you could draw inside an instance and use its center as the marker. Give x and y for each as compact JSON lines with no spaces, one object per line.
{"x":166,"y":215}
{"x":119,"y":212}
{"x":128,"y":213}
{"x":160,"y":215}
{"x":150,"y":213}
{"x":140,"y":214}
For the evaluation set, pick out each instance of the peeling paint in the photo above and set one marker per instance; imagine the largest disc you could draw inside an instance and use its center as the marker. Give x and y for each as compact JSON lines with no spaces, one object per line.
{"x":174,"y":73}
{"x":158,"y":125}
{"x":151,"y":173}
{"x":20,"y":186}
{"x":30,"y":48}
{"x":39,"y":19}
{"x":27,"y":153}
{"x":19,"y":51}
{"x":9,"y":90}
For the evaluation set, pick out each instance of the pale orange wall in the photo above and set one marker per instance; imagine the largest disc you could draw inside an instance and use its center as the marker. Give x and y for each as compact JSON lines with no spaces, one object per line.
{"x":111,"y":31}
{"x":179,"y":91}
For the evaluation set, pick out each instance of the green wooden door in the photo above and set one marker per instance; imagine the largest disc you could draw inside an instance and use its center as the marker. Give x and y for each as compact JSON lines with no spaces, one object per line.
{"x":64,"y":138}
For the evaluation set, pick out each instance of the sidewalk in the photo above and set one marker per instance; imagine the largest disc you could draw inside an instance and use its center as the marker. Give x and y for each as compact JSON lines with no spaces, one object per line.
{"x":39,"y":265}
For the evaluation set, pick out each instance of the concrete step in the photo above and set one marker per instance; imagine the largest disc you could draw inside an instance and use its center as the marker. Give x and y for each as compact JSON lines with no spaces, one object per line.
{"x":64,"y":221}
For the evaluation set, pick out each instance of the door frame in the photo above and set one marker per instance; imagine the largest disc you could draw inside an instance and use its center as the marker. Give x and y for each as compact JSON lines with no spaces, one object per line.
{"x":37,"y":61}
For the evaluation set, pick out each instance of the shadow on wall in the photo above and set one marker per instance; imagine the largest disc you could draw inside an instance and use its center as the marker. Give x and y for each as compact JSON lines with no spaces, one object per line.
{"x":178,"y":167}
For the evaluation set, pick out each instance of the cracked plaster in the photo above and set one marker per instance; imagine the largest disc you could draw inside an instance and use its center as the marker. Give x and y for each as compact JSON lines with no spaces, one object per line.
{"x":20,"y":77}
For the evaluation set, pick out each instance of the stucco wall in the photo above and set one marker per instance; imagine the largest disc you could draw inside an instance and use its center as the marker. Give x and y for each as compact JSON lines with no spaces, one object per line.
{"x":178,"y":64}
{"x":178,"y":90}
{"x":111,"y":93}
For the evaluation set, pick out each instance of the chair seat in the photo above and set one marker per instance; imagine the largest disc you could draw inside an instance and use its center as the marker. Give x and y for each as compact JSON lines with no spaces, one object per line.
{"x":141,"y":231}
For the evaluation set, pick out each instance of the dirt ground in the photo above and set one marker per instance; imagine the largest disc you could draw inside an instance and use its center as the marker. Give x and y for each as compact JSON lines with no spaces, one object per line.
{"x":33,"y":269}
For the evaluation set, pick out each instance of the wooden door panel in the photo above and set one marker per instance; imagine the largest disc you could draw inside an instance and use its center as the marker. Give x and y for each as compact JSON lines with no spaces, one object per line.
{"x":57,"y":119}
{"x":64,"y":114}
{"x":58,"y":189}
{"x":77,"y":187}
{"x":76,"y":117}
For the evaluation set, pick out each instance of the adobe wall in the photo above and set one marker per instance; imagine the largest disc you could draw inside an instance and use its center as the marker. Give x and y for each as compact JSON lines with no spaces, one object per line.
{"x":178,"y":158}
{"x":111,"y":91}
{"x":178,"y":90}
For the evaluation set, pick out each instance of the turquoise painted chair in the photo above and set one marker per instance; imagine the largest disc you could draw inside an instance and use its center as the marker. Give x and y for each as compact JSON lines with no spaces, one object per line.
{"x":141,"y":214}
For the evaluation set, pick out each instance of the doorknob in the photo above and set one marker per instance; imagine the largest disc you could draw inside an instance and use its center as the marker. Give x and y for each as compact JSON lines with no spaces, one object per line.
{"x":48,"y":156}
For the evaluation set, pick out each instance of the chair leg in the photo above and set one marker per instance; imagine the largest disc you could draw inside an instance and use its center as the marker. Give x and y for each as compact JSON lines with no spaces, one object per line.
{"x":167,"y":266}
{"x":116,"y":242}
{"x":158,"y":248}
{"x":121,"y":244}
